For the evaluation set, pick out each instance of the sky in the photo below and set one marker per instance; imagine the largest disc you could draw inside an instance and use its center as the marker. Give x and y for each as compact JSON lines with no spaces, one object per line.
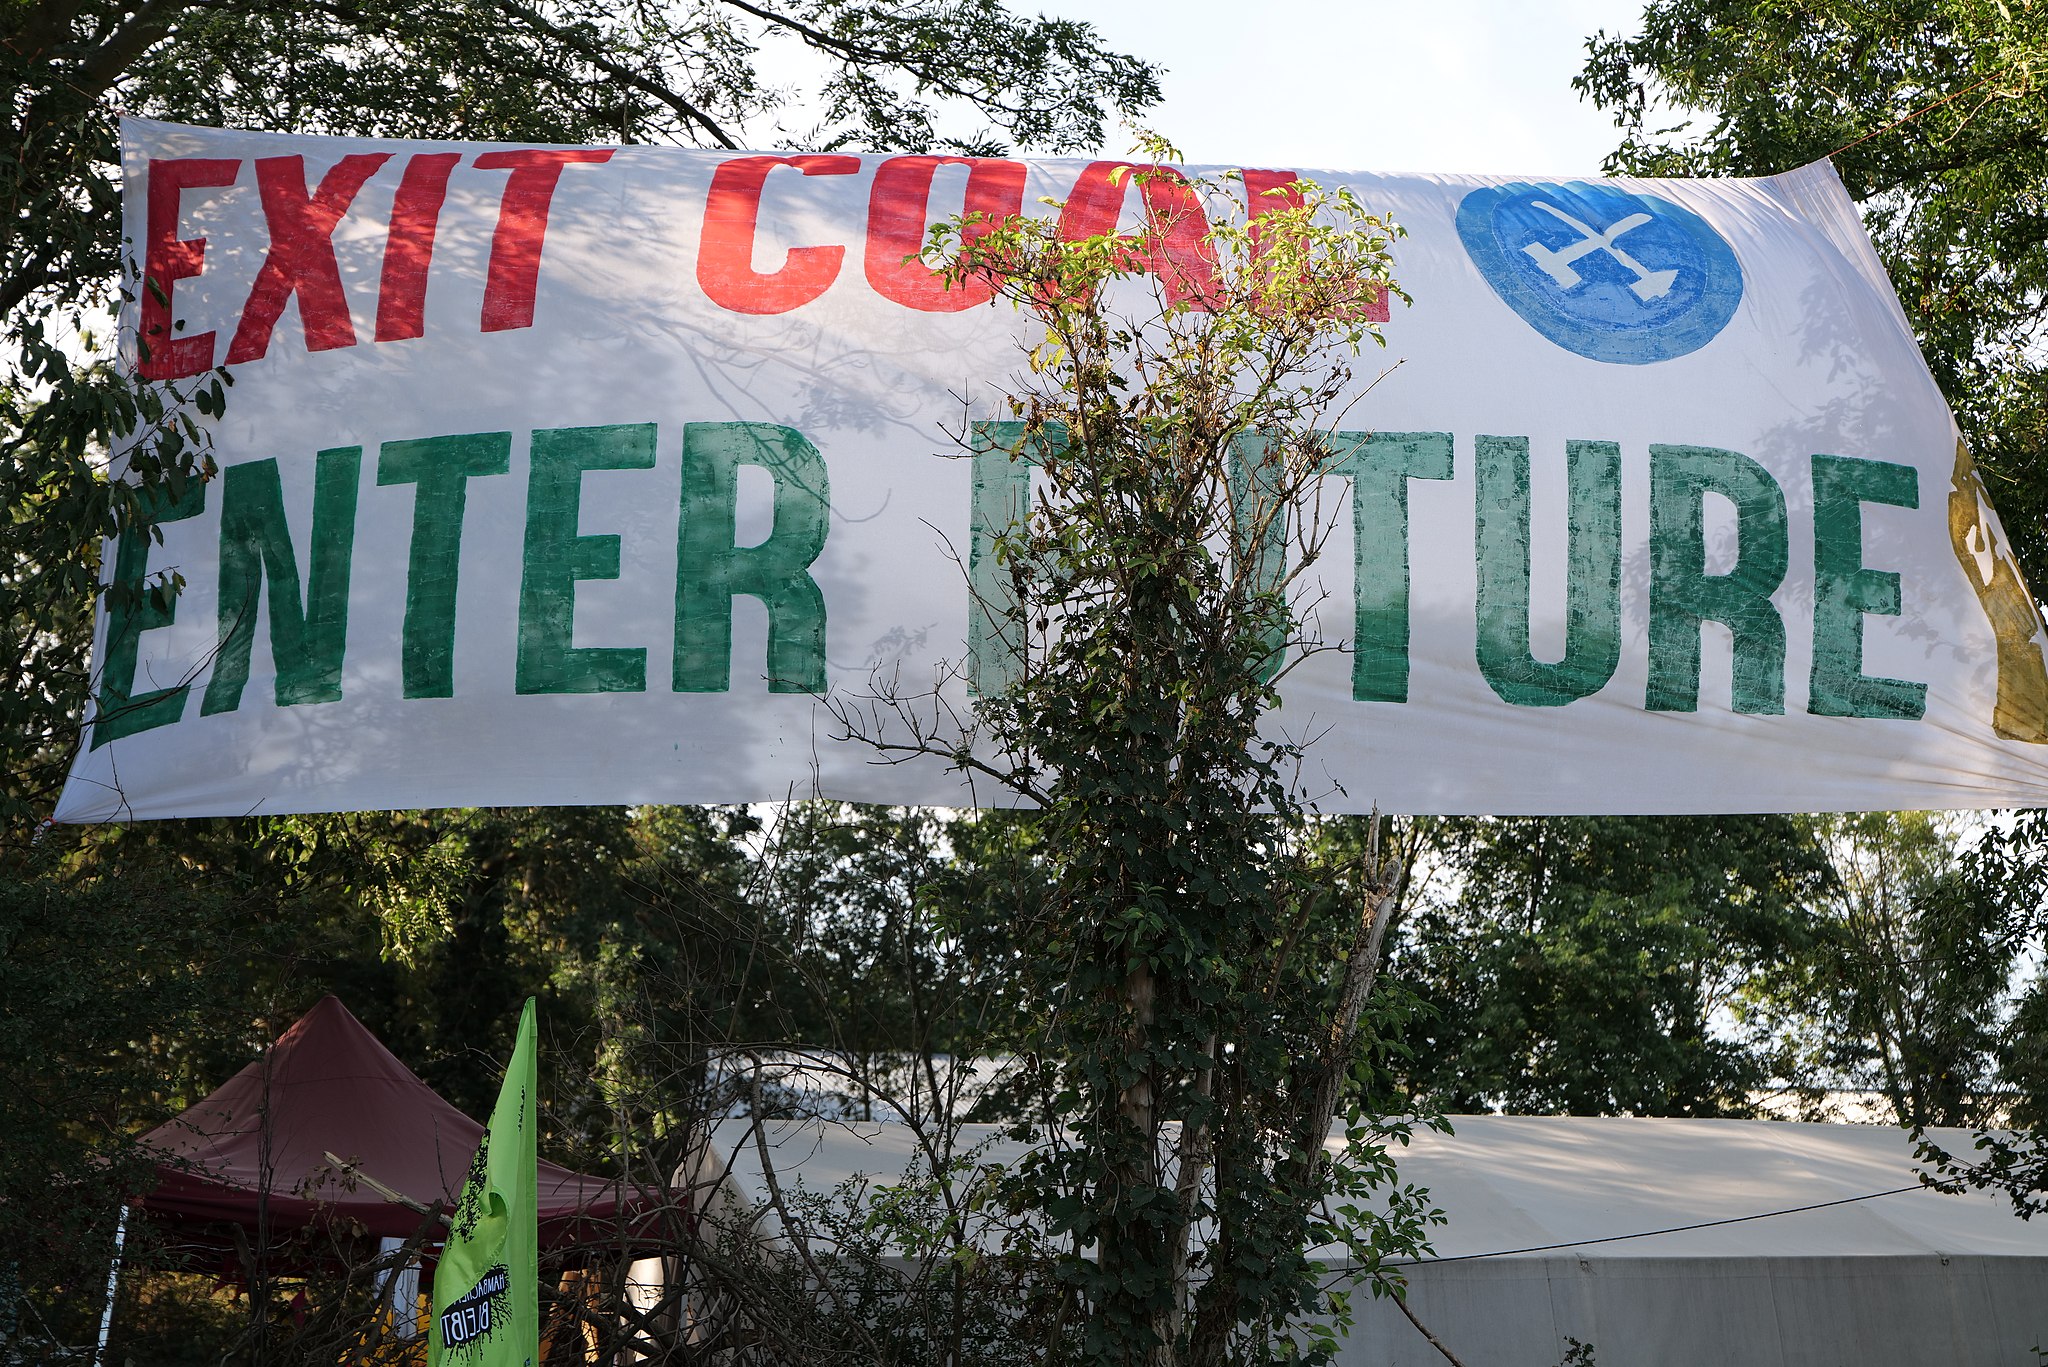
{"x":1368,"y":85}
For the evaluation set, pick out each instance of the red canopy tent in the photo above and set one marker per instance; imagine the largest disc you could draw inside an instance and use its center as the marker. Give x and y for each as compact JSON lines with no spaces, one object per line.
{"x":329,"y":1086}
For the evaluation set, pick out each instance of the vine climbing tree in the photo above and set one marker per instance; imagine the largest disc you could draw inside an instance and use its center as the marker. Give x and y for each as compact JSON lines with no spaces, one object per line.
{"x":1204,"y":1005}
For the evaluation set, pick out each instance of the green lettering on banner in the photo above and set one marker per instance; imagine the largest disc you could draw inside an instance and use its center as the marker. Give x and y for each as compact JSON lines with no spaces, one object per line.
{"x":556,"y":558}
{"x":1258,"y":512}
{"x":440,"y":469}
{"x":1380,"y":464}
{"x":1683,"y":595}
{"x":711,"y":570}
{"x":1592,"y":641}
{"x":133,"y":609}
{"x":309,"y":635}
{"x":1003,"y":456}
{"x":1844,"y":591}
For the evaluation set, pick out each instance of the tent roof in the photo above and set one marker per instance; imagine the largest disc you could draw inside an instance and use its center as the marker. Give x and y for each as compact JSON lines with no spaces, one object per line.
{"x":1512,"y":1183}
{"x":332,"y":1086}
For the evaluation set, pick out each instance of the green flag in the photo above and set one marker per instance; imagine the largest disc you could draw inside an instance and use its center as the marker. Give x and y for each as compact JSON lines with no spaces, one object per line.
{"x":487,"y":1287}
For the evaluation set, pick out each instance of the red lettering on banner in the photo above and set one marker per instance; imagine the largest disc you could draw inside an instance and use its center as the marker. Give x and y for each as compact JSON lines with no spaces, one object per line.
{"x":301,"y":258}
{"x":1269,"y":191}
{"x":513,"y":277}
{"x":899,"y":214}
{"x":168,"y":258}
{"x":1266,"y":192}
{"x":1175,"y":245}
{"x":732,"y":213}
{"x":409,"y":245}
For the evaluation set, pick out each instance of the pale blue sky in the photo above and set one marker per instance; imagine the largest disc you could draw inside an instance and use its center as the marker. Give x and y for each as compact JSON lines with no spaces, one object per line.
{"x":1418,"y":85}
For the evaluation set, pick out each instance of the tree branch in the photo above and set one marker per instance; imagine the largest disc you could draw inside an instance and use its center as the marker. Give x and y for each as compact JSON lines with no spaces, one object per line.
{"x":625,"y":75}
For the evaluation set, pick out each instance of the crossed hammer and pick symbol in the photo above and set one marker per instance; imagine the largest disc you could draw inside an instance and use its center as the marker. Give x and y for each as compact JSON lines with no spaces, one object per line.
{"x":1557,"y":262}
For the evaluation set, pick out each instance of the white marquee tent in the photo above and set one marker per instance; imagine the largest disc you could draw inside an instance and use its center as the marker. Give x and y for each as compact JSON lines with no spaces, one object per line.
{"x":1662,"y":1243}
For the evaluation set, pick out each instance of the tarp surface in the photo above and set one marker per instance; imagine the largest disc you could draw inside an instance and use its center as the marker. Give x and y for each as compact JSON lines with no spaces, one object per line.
{"x":622,"y":475}
{"x":1511,"y":1183}
{"x":329,"y":1085}
{"x":1538,"y":1245}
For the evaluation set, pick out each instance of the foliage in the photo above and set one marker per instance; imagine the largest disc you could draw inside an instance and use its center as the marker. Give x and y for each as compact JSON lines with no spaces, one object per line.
{"x":1903,"y":990}
{"x":2001,"y":877}
{"x":1578,"y":966}
{"x":929,"y":1268}
{"x":1576,"y":1354}
{"x":1931,"y":111}
{"x":1695,"y":965}
{"x":110,"y":1001}
{"x":1199,"y":1005}
{"x":903,"y":988}
{"x":2012,"y":1163}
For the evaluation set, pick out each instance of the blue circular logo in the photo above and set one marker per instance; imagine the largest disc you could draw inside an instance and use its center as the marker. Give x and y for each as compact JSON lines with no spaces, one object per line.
{"x":1613,"y":276}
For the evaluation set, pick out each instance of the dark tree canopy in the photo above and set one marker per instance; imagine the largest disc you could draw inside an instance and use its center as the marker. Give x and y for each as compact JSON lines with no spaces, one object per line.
{"x":1581,"y":966}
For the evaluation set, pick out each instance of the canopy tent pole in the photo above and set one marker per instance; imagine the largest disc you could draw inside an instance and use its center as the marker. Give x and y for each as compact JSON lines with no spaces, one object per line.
{"x":99,"y":1349}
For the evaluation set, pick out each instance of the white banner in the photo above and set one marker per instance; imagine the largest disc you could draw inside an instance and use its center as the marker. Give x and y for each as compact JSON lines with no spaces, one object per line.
{"x":595,"y":475}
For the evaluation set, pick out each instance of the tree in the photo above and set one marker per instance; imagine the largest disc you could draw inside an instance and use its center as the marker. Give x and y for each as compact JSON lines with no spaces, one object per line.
{"x":901,"y":973}
{"x":77,"y":1065}
{"x":2003,"y":871}
{"x":1201,"y":1008}
{"x":915,"y":77}
{"x":1585,"y":965}
{"x":1930,"y":111}
{"x":1903,"y":989}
